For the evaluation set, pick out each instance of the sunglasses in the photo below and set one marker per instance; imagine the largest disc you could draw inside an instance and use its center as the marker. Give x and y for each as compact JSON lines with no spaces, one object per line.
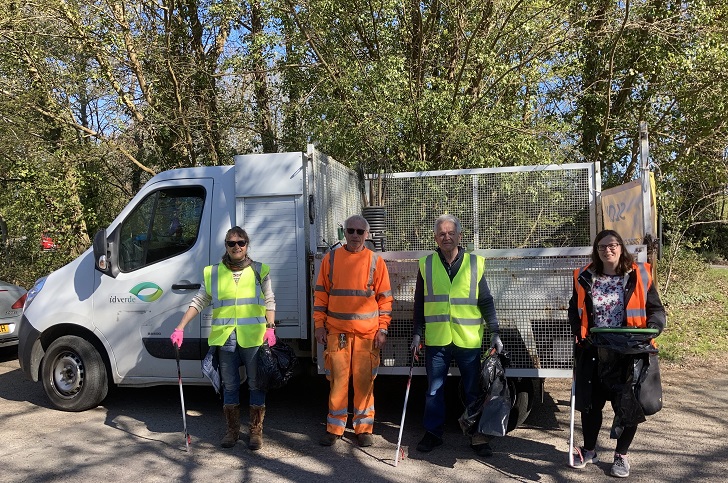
{"x":232,"y":243}
{"x":358,"y":231}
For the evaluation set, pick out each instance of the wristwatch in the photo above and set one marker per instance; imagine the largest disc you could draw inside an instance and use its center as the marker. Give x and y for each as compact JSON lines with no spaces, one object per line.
{"x":384,"y":331}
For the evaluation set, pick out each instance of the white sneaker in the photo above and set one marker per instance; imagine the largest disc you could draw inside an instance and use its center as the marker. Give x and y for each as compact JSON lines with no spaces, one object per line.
{"x":583,"y":456}
{"x":620,"y":467}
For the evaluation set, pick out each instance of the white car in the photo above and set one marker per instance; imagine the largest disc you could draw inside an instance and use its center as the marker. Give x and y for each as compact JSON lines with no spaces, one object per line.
{"x":12,"y":298}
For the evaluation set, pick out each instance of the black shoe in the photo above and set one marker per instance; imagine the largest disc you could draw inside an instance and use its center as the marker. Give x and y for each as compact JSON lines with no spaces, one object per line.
{"x":365,"y":439}
{"x":329,"y":439}
{"x":428,"y":442}
{"x":482,"y":449}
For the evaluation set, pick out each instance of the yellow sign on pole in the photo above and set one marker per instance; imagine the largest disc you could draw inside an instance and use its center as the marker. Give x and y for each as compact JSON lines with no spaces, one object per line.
{"x":623,"y":209}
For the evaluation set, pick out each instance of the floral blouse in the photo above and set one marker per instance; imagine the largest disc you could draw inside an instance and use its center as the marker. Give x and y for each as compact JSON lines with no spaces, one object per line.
{"x":608,"y":300}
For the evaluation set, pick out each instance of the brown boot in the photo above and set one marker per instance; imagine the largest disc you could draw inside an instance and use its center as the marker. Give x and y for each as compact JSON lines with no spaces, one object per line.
{"x":257,"y":413}
{"x":232,"y":417}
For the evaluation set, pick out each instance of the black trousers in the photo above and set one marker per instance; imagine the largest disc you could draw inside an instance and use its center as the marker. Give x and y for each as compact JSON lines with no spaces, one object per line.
{"x":591,"y":421}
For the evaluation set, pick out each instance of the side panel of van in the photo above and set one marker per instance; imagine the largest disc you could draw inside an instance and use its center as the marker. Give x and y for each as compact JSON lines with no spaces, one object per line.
{"x":163,"y":245}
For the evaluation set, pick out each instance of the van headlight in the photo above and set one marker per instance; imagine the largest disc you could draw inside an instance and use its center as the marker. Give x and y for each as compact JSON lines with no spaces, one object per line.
{"x":34,"y":291}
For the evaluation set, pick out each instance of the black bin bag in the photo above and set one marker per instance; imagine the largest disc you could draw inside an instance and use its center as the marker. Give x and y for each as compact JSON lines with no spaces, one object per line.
{"x":488,"y":414}
{"x":275,"y":365}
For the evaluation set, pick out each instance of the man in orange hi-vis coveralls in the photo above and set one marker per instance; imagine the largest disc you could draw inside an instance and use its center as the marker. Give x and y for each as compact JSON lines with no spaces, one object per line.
{"x":352,"y":311}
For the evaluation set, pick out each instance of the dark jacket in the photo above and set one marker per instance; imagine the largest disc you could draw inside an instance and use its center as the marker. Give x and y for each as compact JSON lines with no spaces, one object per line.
{"x":585,"y":357}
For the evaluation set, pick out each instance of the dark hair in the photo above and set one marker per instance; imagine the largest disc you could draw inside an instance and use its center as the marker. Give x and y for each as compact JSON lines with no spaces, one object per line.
{"x":625,"y":262}
{"x":236,"y":230}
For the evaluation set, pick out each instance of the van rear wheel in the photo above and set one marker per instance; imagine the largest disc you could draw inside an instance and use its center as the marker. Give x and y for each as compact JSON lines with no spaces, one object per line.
{"x":74,"y":375}
{"x":523,"y":393}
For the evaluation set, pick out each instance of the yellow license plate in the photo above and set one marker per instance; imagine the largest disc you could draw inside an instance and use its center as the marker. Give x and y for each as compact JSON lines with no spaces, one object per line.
{"x":4,"y":328}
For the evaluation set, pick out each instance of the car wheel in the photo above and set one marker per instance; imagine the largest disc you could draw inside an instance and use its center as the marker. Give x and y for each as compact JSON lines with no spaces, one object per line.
{"x":74,"y":375}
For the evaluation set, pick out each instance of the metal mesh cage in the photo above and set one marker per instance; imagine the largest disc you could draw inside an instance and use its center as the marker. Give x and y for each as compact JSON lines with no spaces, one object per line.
{"x":337,"y":196}
{"x":506,"y":208}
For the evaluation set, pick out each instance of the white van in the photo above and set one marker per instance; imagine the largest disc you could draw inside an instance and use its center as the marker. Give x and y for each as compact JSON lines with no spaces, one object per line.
{"x":107,"y":316}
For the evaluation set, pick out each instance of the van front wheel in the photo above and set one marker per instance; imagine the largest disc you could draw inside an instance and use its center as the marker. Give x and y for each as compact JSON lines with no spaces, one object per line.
{"x":74,"y":375}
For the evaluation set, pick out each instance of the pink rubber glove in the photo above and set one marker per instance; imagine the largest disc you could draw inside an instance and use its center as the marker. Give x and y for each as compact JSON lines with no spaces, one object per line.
{"x":270,"y":337}
{"x":177,"y":337}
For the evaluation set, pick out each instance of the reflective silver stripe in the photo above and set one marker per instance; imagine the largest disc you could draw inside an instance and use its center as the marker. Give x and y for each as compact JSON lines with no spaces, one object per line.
{"x":320,"y":288}
{"x":437,"y":318}
{"x":238,"y":321}
{"x":331,"y":268}
{"x":473,"y":277}
{"x":336,"y":422}
{"x":370,"y":283}
{"x":437,"y":298}
{"x":343,"y":316}
{"x":428,"y":279}
{"x":357,"y":422}
{"x":463,"y":321}
{"x":385,"y":312}
{"x":213,"y":288}
{"x":338,"y":412}
{"x":645,"y":278}
{"x":460,"y":301}
{"x":386,"y":293}
{"x":353,"y":293}
{"x":636,"y":313}
{"x":234,"y":302}
{"x":318,"y":308}
{"x":363,"y":411}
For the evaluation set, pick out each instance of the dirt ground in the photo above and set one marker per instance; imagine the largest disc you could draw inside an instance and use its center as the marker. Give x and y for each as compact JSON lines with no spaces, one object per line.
{"x":136,"y":435}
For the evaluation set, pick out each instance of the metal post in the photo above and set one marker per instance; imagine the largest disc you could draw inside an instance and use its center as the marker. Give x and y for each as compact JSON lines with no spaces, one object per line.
{"x":649,"y":235}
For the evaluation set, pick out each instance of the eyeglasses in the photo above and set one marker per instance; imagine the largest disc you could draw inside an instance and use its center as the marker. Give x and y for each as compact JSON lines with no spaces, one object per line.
{"x":232,"y":243}
{"x":358,"y":231}
{"x":612,"y":247}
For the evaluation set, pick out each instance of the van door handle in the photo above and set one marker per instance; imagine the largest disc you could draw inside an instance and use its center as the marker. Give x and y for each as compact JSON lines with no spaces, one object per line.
{"x":186,"y":286}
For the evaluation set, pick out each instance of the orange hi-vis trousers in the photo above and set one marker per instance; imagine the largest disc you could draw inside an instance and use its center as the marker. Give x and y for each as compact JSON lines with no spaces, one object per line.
{"x":359,"y":360}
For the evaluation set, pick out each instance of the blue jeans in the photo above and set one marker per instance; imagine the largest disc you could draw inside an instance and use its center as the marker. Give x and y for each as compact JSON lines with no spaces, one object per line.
{"x":230,"y":362}
{"x":437,"y":363}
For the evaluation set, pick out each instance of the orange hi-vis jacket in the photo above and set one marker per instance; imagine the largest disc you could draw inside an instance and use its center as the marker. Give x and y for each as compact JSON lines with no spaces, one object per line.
{"x":635,"y":299}
{"x":353,"y":293}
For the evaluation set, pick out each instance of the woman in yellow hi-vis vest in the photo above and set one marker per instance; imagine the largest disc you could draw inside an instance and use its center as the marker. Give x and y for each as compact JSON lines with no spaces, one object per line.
{"x":452,"y":300}
{"x":243,"y":316}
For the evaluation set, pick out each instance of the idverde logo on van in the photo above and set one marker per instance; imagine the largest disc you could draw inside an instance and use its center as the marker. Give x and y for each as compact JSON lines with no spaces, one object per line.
{"x":145,"y":291}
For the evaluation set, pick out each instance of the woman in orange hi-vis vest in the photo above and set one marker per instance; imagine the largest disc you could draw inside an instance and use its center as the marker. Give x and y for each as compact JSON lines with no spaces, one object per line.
{"x":612,"y":291}
{"x":352,"y":311}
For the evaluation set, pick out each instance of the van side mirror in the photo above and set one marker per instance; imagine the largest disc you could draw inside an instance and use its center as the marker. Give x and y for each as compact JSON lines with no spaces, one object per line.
{"x":101,"y":253}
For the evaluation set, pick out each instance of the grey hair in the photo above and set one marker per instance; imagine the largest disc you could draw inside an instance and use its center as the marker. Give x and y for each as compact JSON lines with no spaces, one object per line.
{"x":356,"y":218}
{"x":452,"y":219}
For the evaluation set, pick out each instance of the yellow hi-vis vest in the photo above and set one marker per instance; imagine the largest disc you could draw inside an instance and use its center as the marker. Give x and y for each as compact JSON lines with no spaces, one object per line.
{"x":239,"y":307}
{"x":451,"y":308}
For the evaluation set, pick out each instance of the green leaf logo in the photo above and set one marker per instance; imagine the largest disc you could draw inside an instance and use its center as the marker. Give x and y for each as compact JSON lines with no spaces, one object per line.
{"x":147,"y":287}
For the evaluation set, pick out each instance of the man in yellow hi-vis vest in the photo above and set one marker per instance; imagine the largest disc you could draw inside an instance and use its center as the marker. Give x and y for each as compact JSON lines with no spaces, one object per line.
{"x":243,"y":316}
{"x":451,"y":301}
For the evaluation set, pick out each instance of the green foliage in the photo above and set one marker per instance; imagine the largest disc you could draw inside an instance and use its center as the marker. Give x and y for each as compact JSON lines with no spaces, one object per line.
{"x":95,"y":97}
{"x":697,"y":308}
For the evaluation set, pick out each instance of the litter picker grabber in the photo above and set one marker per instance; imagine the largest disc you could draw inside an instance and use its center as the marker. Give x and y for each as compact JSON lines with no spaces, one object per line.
{"x":571,"y":414}
{"x":404,"y":410}
{"x":182,"y":398}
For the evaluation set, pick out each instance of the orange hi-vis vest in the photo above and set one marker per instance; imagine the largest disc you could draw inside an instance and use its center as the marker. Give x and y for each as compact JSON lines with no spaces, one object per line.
{"x":635,"y":307}
{"x":353,"y":293}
